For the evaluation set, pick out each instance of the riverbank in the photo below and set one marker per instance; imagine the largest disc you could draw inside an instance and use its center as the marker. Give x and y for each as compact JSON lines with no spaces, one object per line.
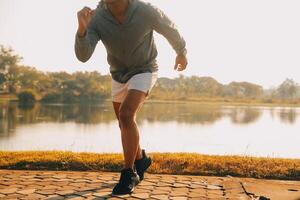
{"x":231,"y":102}
{"x":163,"y":163}
{"x":204,"y":100}
{"x":5,"y":98}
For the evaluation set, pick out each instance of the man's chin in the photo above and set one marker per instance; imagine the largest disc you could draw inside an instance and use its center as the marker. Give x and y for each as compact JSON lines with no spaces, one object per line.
{"x":110,"y":1}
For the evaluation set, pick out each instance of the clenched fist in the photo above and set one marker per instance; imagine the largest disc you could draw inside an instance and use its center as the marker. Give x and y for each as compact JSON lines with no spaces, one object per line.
{"x":180,"y":62}
{"x":84,"y":17}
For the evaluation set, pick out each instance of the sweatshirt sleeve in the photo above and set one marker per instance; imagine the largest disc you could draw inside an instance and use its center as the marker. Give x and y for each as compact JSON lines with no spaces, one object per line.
{"x":164,"y":26}
{"x":85,"y":46}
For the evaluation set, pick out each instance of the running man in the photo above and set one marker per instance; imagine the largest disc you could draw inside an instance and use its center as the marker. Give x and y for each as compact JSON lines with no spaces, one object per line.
{"x":126,"y":27}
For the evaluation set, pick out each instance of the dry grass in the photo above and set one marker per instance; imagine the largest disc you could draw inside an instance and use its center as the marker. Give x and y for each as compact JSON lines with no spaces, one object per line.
{"x":167,"y":163}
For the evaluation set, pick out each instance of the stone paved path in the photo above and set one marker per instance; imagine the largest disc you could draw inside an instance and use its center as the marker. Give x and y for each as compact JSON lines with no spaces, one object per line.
{"x":20,"y":184}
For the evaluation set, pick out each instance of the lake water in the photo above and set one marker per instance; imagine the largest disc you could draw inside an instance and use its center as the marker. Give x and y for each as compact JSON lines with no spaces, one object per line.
{"x":164,"y":127}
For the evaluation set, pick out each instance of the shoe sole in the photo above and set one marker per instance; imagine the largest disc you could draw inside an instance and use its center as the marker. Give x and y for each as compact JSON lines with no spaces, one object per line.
{"x":131,"y":191}
{"x":114,"y":194}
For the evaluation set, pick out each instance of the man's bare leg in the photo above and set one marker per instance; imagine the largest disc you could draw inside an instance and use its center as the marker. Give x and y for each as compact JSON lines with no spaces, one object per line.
{"x":116,"y":106}
{"x":126,"y":114}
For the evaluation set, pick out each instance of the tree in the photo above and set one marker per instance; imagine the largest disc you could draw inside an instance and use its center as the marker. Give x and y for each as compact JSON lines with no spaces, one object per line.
{"x":243,"y":89}
{"x":8,"y":68}
{"x":288,"y":89}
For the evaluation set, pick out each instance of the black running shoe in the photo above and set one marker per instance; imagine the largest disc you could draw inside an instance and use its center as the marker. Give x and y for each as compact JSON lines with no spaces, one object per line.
{"x":142,"y":164}
{"x":127,"y":182}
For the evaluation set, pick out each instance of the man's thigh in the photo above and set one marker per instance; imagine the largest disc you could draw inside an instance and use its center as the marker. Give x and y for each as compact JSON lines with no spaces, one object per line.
{"x":133,"y":101}
{"x":116,"y":106}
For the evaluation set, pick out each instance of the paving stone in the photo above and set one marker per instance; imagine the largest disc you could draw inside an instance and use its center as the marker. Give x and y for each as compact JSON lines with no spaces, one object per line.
{"x":37,"y":187}
{"x":176,"y":194}
{"x":160,"y":197}
{"x":141,"y":195}
{"x":139,"y":190}
{"x":213,"y":187}
{"x":214,"y":196}
{"x":54,"y":197}
{"x":164,"y":188}
{"x":179,"y":185}
{"x":160,"y":192}
{"x":194,"y":195}
{"x":73,"y":197}
{"x":197,"y":186}
{"x":49,"y":187}
{"x":162,"y":184}
{"x":45,"y":192}
{"x":179,"y":198}
{"x":102,"y":194}
{"x":198,"y":190}
{"x":82,"y":193}
{"x":28,"y":191}
{"x":13,"y":196}
{"x":8,"y":191}
{"x":181,"y":189}
{"x":104,"y":190}
{"x":75,"y":184}
{"x":87,"y":195}
{"x":65,"y":192}
{"x":124,"y":196}
{"x":148,"y":187}
{"x":147,"y":183}
{"x":35,"y":196}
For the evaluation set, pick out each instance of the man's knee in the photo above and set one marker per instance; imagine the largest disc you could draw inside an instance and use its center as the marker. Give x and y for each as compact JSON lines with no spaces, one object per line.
{"x":126,"y":116}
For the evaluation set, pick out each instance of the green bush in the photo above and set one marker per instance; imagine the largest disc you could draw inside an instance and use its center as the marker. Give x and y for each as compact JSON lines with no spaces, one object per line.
{"x":27,"y":97}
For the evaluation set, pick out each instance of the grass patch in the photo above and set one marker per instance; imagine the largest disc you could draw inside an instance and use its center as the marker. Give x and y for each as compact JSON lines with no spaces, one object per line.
{"x":163,"y":163}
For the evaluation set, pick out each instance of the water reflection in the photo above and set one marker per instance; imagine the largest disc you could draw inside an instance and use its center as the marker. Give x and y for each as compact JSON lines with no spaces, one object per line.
{"x":245,"y":115}
{"x":165,"y":127}
{"x":12,"y":115}
{"x":288,"y":116}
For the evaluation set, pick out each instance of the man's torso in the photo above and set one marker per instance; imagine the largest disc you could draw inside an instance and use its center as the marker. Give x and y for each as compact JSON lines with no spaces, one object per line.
{"x":130,"y":46}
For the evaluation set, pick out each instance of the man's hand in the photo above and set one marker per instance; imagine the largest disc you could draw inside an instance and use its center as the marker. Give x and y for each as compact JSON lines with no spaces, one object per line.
{"x":181,"y":62}
{"x":84,"y":17}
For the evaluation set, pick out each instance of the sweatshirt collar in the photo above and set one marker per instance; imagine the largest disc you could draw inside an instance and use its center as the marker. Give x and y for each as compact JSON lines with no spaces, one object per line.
{"x":129,"y":12}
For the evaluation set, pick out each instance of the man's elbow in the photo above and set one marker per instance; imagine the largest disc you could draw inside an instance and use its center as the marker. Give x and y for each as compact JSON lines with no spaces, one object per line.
{"x":82,"y":59}
{"x":82,"y":56}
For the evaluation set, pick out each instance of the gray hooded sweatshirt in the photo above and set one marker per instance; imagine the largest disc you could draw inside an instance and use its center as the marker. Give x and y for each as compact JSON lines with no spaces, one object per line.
{"x":130,"y":46}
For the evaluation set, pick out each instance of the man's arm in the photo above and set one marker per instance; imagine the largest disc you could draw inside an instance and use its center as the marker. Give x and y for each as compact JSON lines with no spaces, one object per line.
{"x":86,"y":37}
{"x":164,"y":26}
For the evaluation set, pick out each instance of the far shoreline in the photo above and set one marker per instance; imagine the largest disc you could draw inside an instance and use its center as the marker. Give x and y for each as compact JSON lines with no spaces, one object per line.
{"x":205,"y":100}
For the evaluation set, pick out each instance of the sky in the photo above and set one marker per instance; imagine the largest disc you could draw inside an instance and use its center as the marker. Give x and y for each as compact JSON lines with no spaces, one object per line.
{"x":230,"y":40}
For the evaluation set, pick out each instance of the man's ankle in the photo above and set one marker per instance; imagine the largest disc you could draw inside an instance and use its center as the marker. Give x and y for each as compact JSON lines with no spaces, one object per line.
{"x":139,"y":156}
{"x":127,"y":168}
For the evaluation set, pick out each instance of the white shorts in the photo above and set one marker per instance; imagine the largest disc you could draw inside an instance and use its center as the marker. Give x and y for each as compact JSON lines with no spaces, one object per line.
{"x":143,"y":82}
